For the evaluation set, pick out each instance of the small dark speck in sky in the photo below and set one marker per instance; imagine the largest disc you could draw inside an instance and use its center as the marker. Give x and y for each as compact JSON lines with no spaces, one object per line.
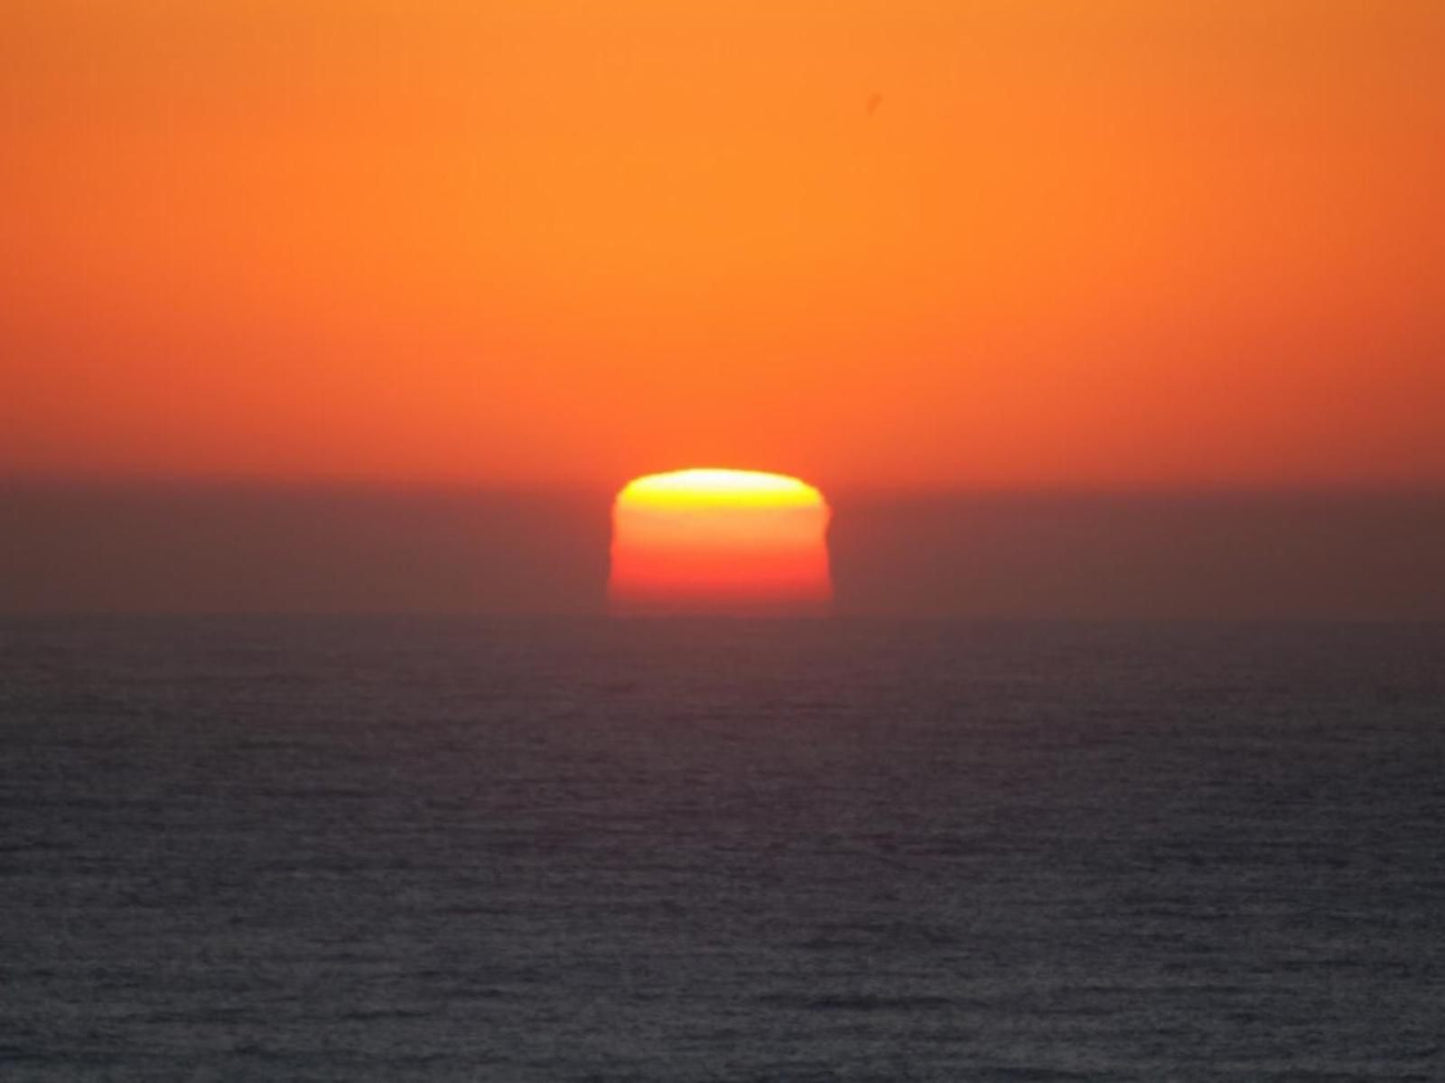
{"x":874,"y":101}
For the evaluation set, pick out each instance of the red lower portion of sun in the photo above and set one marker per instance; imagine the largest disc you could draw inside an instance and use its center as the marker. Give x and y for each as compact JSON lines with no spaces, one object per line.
{"x":720,"y":582}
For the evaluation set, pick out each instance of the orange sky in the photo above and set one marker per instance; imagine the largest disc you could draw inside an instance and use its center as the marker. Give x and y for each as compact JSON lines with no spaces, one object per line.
{"x":1112,"y":243}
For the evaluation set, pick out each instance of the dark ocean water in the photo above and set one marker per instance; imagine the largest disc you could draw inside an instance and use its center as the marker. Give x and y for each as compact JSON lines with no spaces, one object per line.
{"x":406,"y":849}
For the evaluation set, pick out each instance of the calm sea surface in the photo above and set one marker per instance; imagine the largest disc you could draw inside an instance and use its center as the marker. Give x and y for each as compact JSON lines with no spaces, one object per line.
{"x":551,"y":850}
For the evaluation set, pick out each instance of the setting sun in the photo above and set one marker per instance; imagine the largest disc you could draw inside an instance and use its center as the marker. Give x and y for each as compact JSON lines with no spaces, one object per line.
{"x":712,"y":540}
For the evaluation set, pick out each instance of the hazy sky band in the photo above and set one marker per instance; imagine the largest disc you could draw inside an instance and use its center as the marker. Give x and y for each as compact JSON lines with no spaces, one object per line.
{"x":216,"y":549}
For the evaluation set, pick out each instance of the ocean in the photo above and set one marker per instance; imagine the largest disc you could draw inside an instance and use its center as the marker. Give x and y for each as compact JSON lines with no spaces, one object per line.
{"x":562,"y":849}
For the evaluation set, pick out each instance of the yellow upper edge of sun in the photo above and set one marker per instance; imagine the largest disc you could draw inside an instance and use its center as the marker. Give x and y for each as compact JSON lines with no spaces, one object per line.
{"x":709,"y":486}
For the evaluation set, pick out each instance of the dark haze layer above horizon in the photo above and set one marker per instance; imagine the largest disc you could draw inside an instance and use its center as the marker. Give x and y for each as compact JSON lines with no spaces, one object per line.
{"x":197,"y":547}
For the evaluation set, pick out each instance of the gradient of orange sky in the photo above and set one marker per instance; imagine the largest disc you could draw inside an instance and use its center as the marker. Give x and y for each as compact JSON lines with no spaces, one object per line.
{"x":1074,"y":244}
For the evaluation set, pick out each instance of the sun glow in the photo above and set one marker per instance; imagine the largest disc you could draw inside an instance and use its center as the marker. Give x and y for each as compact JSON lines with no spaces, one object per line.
{"x":714,"y":540}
